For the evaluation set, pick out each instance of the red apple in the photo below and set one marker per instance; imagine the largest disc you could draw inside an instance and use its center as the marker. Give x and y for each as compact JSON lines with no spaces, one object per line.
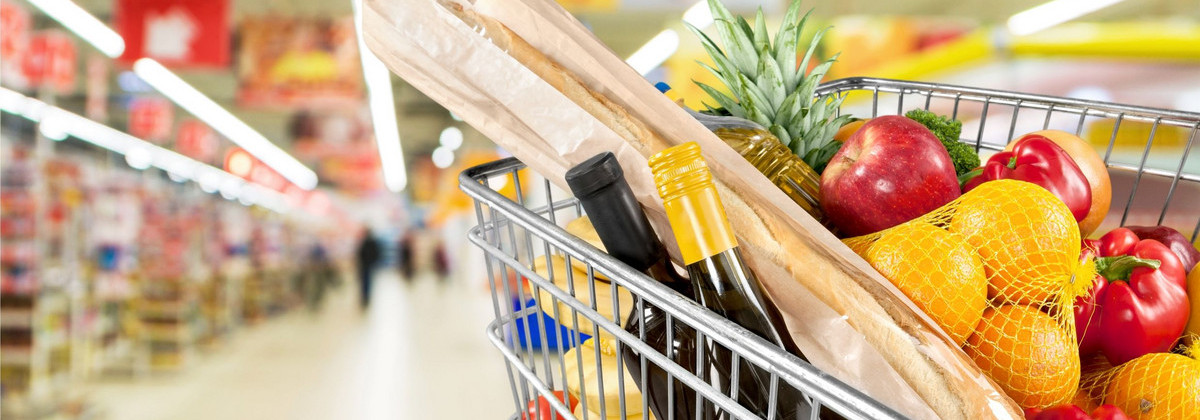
{"x":890,"y":171}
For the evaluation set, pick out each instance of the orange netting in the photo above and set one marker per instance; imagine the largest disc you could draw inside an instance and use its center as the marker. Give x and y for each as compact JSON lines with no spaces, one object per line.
{"x":996,"y":269}
{"x":1156,"y":386}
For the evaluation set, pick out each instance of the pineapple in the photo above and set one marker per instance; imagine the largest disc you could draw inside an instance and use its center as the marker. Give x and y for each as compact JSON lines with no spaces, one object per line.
{"x":768,"y":86}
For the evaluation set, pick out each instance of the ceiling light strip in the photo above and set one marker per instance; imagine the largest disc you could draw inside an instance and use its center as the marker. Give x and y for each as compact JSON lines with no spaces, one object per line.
{"x":1053,"y":13}
{"x":658,"y":49}
{"x":136,"y":151}
{"x":655,"y":52}
{"x":224,"y":122}
{"x":699,"y":15}
{"x":383,"y":110}
{"x":83,"y":24}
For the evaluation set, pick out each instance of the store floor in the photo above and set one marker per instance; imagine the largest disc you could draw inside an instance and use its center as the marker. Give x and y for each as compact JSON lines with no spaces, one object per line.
{"x":419,"y":352}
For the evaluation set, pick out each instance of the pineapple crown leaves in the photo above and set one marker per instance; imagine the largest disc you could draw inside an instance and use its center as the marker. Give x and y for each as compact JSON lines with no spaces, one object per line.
{"x":766,"y":83}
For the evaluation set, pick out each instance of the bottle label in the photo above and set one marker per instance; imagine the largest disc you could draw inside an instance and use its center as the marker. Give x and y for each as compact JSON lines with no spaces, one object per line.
{"x":700,"y":226}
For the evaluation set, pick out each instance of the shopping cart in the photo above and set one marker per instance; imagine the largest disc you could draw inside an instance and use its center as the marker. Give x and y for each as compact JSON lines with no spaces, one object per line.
{"x":1152,"y":184}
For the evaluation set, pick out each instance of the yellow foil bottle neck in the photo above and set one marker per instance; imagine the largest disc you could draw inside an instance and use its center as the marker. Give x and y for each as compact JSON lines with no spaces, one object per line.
{"x":693,"y":207}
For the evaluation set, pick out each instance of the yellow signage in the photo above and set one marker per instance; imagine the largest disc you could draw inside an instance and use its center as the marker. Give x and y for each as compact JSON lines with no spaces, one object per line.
{"x":590,"y":6}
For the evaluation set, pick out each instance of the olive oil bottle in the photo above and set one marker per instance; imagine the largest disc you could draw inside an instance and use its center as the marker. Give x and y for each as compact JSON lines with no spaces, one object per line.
{"x":599,"y":184}
{"x":767,"y":154}
{"x":721,"y":280}
{"x":786,"y":170}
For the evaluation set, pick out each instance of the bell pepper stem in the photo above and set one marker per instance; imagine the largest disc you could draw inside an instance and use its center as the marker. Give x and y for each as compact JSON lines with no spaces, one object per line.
{"x":962,"y":179}
{"x":1118,"y":268}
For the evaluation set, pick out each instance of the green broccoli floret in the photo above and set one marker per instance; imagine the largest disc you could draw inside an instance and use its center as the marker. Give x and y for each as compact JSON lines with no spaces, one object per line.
{"x":947,"y":130}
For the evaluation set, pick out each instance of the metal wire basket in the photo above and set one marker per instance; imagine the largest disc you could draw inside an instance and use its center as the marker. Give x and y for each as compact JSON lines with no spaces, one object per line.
{"x":541,"y":314}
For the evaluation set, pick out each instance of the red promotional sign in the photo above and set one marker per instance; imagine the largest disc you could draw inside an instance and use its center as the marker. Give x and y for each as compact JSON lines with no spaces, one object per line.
{"x":196,"y":140}
{"x":298,"y":62}
{"x":176,"y":32}
{"x":50,"y":61}
{"x":15,"y":21}
{"x":151,"y":118}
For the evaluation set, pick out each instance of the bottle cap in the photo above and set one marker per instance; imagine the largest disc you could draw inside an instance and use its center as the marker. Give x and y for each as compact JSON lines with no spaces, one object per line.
{"x":680,"y":169}
{"x":594,"y":174}
{"x":599,"y":184}
{"x":692,"y":204}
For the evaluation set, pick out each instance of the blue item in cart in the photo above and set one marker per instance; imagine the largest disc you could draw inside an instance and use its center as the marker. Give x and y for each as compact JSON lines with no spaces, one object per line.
{"x":533,"y":340}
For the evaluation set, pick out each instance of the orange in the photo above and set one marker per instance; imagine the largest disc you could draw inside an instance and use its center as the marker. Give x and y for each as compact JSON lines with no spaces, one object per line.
{"x":1095,"y":372}
{"x":1157,"y":386}
{"x":1084,"y":400}
{"x":939,"y":271}
{"x":1033,"y":358}
{"x":849,"y":129}
{"x":1191,"y":333}
{"x":1027,"y":238}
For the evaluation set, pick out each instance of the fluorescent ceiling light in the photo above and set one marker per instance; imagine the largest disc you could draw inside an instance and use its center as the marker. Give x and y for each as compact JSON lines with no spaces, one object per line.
{"x":698,"y":15}
{"x":451,"y":137}
{"x":655,"y":52}
{"x":383,"y":110}
{"x":442,"y":157}
{"x":231,"y":187}
{"x":138,"y":158}
{"x":662,"y":46}
{"x":52,"y":130}
{"x":138,"y":153}
{"x":1053,"y":13}
{"x":82,"y":23}
{"x":209,"y":181}
{"x":224,"y":122}
{"x":12,"y":102}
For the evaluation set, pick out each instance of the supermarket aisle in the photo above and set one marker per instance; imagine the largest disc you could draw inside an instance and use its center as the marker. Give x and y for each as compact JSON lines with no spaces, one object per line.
{"x":418,"y":353}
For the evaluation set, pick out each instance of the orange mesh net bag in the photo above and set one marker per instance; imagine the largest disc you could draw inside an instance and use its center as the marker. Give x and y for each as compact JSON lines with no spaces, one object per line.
{"x":1155,"y":386}
{"x":996,"y":269}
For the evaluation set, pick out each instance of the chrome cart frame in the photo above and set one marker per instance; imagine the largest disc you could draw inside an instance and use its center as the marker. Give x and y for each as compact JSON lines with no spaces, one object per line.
{"x":519,"y":227}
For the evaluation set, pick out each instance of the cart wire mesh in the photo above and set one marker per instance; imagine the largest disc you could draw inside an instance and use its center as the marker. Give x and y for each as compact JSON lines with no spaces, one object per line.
{"x":543,"y":310}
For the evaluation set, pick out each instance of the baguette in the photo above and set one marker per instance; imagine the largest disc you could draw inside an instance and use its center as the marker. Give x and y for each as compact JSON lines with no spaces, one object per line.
{"x":871,"y":308}
{"x":775,"y":240}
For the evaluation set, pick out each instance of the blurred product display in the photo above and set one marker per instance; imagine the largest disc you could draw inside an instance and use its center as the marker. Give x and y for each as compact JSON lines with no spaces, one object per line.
{"x":108,"y":272}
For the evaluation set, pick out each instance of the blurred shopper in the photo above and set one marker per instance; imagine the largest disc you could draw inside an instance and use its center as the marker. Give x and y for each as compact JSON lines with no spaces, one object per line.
{"x":368,"y":256}
{"x":319,"y":276}
{"x":441,"y":261}
{"x":404,"y":255}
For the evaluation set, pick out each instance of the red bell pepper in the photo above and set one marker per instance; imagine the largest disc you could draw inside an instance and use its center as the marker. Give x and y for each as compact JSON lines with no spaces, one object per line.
{"x":1072,"y":412}
{"x":540,"y":409}
{"x":1037,"y":159}
{"x":1179,"y":244}
{"x":1139,"y":302}
{"x":1109,"y":412}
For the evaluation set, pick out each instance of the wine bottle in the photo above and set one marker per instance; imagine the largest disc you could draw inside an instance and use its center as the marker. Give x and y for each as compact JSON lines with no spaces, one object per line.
{"x":721,"y":279}
{"x":599,"y":184}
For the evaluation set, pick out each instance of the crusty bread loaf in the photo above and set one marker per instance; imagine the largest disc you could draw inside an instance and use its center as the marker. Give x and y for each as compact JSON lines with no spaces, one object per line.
{"x":777,"y":235}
